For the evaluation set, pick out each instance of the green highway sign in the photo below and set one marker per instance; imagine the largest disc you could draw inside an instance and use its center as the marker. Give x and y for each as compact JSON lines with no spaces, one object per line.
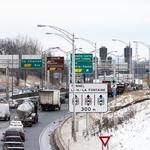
{"x":83,"y":63}
{"x":31,"y":63}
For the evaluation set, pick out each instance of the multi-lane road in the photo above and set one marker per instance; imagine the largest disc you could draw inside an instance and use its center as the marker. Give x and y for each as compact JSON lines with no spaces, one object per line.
{"x":33,"y":133}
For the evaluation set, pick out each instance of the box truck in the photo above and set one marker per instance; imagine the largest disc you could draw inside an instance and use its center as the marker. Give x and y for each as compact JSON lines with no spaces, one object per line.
{"x":49,"y":99}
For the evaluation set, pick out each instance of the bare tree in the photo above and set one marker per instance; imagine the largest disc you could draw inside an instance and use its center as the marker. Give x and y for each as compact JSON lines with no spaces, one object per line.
{"x":20,"y":45}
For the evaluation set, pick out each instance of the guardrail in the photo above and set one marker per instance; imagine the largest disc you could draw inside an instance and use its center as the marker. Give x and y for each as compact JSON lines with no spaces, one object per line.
{"x":25,"y":95}
{"x":59,"y":142}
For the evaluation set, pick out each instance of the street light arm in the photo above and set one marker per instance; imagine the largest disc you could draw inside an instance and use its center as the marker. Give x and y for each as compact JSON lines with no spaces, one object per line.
{"x":68,"y":39}
{"x":60,"y":30}
{"x":121,"y":41}
{"x":142,"y":58}
{"x":142,"y":43}
{"x":62,"y":50}
{"x":89,"y":41}
{"x":116,"y":55}
{"x":49,"y":49}
{"x":63,"y":31}
{"x":111,"y":52}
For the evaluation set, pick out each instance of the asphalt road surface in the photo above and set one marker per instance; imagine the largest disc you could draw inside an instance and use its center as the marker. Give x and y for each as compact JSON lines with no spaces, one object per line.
{"x":32,"y":133}
{"x":4,"y":125}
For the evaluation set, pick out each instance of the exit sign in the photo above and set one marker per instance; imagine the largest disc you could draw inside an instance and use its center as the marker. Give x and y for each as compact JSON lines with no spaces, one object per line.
{"x":31,"y":62}
{"x":83,"y":63}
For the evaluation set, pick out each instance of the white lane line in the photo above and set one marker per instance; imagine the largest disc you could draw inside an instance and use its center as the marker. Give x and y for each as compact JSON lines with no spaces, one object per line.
{"x":44,"y":139}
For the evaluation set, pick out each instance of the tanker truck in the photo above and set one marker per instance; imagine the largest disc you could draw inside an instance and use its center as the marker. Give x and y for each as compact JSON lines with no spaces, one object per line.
{"x":28,"y":112}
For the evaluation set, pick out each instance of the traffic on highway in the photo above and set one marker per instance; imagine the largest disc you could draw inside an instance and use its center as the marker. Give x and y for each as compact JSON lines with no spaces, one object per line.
{"x":22,"y":123}
{"x":74,"y":75}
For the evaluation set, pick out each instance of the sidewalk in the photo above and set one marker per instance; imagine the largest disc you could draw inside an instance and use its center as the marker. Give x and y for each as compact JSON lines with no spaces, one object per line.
{"x":86,"y":142}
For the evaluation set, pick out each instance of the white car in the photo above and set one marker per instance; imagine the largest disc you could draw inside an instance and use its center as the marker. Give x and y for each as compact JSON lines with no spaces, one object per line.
{"x":17,"y":125}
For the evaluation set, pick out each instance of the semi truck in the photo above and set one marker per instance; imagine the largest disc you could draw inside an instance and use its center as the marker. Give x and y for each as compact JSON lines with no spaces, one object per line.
{"x":49,"y":99}
{"x":28,"y":112}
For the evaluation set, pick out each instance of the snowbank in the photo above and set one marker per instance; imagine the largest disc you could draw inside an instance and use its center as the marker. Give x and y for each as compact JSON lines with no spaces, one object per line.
{"x":132,"y":134}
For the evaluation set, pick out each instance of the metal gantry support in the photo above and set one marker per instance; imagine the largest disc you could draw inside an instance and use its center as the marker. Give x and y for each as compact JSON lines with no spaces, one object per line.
{"x":68,"y":36}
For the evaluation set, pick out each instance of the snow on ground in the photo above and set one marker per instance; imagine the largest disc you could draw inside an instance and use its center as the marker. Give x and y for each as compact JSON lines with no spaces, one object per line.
{"x":135,"y":134}
{"x":132,"y":134}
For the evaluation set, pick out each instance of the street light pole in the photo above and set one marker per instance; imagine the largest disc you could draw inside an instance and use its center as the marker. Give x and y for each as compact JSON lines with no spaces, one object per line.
{"x":109,"y":53}
{"x":117,"y":56}
{"x":143,"y":64}
{"x":68,"y":36}
{"x":130,"y":54}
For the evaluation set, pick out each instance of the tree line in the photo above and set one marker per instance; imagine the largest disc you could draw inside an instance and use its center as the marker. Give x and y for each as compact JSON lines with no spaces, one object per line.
{"x":20,"y":46}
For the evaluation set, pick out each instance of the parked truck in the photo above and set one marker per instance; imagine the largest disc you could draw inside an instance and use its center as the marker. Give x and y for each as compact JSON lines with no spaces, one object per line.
{"x":49,"y":99}
{"x":28,"y":112}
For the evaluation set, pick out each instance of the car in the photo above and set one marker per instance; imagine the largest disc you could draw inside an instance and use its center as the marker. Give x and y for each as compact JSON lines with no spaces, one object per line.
{"x":14,"y":132}
{"x":13,"y":146}
{"x":16,"y":124}
{"x":13,"y":104}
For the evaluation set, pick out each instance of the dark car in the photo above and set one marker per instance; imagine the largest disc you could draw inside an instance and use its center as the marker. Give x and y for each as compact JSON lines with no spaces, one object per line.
{"x":14,"y":132}
{"x":62,"y":99}
{"x":120,"y":88}
{"x":13,"y":146}
{"x":12,"y":138}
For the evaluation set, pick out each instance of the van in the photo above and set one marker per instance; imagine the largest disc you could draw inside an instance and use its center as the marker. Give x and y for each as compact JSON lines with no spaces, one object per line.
{"x":4,"y":111}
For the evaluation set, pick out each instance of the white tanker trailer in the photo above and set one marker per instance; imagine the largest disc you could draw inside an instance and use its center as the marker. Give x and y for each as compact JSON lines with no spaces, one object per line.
{"x":27,"y":113}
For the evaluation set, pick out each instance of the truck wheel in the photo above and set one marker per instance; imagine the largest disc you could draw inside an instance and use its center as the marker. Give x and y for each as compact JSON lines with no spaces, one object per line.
{"x":9,"y":118}
{"x":59,"y":108}
{"x":42,"y":108}
{"x":37,"y":119}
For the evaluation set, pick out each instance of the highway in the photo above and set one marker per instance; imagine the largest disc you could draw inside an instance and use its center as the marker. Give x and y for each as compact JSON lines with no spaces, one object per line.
{"x":33,"y":133}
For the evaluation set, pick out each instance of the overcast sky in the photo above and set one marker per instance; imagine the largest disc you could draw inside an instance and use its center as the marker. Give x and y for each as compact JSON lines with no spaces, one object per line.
{"x":96,"y":20}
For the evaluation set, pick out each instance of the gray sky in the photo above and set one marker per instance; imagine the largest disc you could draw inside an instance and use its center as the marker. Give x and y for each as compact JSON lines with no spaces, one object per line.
{"x":96,"y":20}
